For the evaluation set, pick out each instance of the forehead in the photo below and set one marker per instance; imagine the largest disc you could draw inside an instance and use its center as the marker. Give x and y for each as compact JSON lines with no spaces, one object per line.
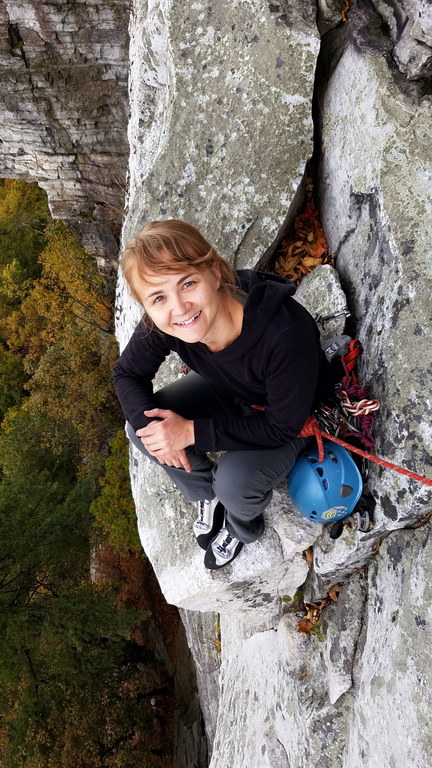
{"x":148,"y":283}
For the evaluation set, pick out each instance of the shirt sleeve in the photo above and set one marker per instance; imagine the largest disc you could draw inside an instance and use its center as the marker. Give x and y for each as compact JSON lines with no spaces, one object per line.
{"x":134,"y":372}
{"x":291,"y":375}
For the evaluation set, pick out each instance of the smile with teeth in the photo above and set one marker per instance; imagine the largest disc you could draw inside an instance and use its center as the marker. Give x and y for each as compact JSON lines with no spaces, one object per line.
{"x":191,"y":319}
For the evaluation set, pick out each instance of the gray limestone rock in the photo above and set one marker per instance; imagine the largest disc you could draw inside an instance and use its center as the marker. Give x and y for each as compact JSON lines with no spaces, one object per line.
{"x":376,"y":208}
{"x":390,"y":721}
{"x":221,"y":123}
{"x":64,"y":110}
{"x":220,"y":130}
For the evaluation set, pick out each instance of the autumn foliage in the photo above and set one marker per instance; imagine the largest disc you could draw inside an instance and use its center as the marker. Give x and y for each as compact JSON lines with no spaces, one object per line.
{"x":70,"y":679}
{"x":305,"y":245}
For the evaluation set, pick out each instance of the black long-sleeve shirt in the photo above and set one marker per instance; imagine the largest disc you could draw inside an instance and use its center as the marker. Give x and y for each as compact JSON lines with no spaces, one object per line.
{"x":276,"y":362}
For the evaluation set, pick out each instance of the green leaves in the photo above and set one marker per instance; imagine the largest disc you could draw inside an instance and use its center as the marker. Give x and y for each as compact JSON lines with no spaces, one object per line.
{"x":69,"y":672}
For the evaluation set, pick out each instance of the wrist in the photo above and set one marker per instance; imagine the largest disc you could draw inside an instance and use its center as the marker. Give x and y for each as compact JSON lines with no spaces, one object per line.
{"x":191,"y":433}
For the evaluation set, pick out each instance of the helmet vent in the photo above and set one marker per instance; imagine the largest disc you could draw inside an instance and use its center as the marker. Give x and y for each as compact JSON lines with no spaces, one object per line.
{"x":320,"y":471}
{"x":345,"y":490}
{"x":332,"y":457}
{"x":325,"y":484}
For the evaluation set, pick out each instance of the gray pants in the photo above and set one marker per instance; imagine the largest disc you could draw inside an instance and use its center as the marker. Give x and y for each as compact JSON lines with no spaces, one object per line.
{"x":242,"y":480}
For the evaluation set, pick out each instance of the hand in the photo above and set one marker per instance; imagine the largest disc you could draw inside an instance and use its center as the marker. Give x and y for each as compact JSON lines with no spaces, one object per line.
{"x":171,"y":434}
{"x":176,"y":459}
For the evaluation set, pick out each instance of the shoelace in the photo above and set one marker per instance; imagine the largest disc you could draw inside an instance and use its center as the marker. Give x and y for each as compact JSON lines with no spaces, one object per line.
{"x":221,"y":548}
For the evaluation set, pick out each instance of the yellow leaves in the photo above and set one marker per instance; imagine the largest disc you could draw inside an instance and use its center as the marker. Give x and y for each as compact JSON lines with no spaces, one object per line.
{"x":345,"y":10}
{"x":305,"y":246}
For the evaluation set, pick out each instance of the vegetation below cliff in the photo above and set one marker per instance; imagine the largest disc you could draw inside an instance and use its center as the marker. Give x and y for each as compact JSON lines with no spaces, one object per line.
{"x":76,"y":640}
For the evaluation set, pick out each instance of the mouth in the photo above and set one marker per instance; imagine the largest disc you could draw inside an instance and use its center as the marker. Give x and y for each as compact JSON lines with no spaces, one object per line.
{"x":185,"y":323}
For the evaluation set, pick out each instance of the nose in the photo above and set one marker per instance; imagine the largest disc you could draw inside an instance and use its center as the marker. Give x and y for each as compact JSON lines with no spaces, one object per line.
{"x":179,"y":305}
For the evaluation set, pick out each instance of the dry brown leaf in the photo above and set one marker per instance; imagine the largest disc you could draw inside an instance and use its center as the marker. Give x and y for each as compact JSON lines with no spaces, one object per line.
{"x":311,"y":261}
{"x":308,"y":555}
{"x":305,"y":626}
{"x":334,"y":592}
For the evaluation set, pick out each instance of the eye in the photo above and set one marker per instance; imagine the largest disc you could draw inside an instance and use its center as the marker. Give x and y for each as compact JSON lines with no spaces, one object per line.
{"x":188,"y":283}
{"x":158,"y":299}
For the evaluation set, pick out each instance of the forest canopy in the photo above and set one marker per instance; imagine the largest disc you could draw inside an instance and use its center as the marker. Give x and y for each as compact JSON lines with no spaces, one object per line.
{"x":68,"y":666}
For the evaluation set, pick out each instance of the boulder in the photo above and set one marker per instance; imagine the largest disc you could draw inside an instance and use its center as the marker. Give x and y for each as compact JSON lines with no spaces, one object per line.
{"x":219,"y":136}
{"x":221,"y":124}
{"x":376,"y":208}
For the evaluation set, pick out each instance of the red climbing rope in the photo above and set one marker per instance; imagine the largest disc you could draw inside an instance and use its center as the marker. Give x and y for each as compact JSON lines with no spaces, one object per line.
{"x":350,"y":391}
{"x":313,"y":429}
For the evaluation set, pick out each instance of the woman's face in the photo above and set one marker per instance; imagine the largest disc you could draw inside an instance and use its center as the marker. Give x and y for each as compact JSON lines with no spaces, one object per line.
{"x":186,"y":304}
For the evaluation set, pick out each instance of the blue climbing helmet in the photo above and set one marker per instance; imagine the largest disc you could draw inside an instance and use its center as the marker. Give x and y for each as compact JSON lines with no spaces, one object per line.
{"x":325,"y":491}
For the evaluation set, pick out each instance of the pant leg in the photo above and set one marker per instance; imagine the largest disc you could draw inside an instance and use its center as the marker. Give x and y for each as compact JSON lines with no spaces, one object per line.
{"x":192,"y":397}
{"x":244,"y":482}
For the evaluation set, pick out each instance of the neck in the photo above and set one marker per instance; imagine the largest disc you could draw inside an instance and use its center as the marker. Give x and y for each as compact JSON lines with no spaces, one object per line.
{"x":230,"y":326}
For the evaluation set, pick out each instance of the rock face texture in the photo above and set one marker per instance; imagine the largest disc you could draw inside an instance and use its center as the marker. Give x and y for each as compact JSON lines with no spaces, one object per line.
{"x":64,"y":109}
{"x":221,"y":128}
{"x":221,"y":122}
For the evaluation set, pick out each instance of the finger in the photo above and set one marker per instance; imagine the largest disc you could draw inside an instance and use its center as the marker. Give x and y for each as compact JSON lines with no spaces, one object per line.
{"x":166,"y":462}
{"x":186,"y":462}
{"x":157,"y":413}
{"x":150,"y":429}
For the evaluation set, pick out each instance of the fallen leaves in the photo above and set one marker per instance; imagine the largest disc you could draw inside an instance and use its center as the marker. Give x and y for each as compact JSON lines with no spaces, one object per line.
{"x":345,"y":11}
{"x":311,"y":623}
{"x":305,"y":246}
{"x":304,"y":249}
{"x":308,"y":556}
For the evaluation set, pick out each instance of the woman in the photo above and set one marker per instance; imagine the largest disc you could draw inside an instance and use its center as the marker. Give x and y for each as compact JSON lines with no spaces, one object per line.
{"x":256,"y":371}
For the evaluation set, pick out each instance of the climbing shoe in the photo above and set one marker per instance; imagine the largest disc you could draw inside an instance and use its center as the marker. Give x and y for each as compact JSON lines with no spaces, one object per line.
{"x":210,"y":520}
{"x":222,"y":550}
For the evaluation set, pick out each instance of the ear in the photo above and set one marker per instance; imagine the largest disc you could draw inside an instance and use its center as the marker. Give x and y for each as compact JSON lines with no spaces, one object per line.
{"x":215,"y":268}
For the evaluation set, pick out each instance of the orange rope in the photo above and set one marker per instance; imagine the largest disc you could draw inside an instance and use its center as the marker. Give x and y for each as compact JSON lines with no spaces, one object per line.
{"x":312,"y":429}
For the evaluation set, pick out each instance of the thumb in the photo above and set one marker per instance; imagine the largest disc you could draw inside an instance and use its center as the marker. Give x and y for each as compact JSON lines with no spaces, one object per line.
{"x":157,"y":413}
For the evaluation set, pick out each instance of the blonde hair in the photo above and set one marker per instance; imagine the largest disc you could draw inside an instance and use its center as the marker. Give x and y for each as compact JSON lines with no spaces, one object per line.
{"x":167,"y":247}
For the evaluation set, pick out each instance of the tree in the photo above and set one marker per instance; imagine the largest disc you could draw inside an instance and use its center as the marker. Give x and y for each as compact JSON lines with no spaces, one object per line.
{"x":114,"y":508}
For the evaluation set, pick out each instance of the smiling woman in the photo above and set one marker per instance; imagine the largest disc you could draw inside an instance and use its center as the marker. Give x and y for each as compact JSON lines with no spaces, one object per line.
{"x":257,"y":370}
{"x":191,"y":307}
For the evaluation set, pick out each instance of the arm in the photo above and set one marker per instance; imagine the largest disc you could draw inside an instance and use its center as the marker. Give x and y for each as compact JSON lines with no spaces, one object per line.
{"x":134,"y":372}
{"x":133,"y":375}
{"x":290,"y":376}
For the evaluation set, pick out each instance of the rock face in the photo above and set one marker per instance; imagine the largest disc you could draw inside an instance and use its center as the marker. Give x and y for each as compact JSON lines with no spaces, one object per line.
{"x":221,"y":97}
{"x":64,"y":109}
{"x":221,"y":122}
{"x":376,"y":205}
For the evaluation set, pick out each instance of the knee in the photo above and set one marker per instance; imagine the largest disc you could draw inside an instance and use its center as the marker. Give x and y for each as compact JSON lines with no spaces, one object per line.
{"x":235,"y":486}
